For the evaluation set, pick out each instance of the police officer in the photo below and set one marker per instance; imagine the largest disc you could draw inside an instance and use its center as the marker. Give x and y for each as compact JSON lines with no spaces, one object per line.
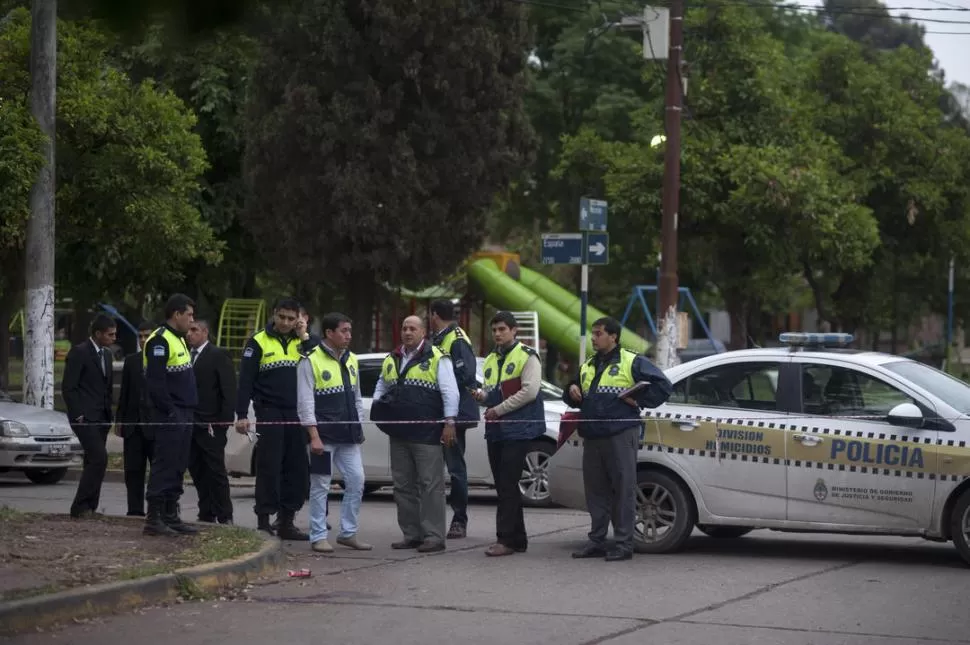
{"x":170,"y":382}
{"x":267,"y":377}
{"x":453,"y":342}
{"x":610,"y":428}
{"x":331,"y":408}
{"x":515,"y":416}
{"x":417,"y":384}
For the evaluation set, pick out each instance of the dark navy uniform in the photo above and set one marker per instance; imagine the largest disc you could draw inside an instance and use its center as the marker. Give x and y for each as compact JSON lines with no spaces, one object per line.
{"x":170,"y":383}
{"x":267,"y":377}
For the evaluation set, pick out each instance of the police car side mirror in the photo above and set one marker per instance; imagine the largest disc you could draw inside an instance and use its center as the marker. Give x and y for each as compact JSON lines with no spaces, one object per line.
{"x":906,"y":414}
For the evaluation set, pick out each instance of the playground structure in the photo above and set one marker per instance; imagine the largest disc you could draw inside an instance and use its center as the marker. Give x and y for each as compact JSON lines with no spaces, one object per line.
{"x":239,"y":319}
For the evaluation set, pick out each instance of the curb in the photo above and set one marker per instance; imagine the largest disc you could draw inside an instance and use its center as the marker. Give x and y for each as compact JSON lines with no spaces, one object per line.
{"x":114,"y":597}
{"x":118,"y":477}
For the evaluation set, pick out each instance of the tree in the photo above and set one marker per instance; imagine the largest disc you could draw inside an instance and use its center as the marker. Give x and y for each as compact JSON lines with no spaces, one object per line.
{"x":128,"y":168}
{"x":210,"y":72}
{"x":378,"y":135}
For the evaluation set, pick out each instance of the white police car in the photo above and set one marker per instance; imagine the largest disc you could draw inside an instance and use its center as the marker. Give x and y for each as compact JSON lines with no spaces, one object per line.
{"x":808,"y":437}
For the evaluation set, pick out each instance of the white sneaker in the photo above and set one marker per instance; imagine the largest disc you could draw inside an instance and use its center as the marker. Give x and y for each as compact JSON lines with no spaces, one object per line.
{"x":322,"y":546}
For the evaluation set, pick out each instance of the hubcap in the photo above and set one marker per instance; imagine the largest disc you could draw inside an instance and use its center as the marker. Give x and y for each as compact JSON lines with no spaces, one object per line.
{"x":656,"y":513}
{"x":534,"y":483}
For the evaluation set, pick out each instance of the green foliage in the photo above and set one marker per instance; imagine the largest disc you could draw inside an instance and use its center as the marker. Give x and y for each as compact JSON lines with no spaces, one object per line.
{"x":128,"y":166}
{"x":379,"y":134}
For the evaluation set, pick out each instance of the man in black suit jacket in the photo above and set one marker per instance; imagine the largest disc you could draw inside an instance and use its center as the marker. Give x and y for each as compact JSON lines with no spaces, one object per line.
{"x":215,"y":379}
{"x":134,"y":409}
{"x":87,"y":390}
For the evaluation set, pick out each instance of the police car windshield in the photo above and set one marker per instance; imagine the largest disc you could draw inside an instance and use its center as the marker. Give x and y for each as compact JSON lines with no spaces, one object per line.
{"x":953,"y":392}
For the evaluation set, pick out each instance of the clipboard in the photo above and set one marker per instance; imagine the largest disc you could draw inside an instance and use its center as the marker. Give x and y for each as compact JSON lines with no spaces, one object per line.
{"x":633,"y":390}
{"x":321,"y":464}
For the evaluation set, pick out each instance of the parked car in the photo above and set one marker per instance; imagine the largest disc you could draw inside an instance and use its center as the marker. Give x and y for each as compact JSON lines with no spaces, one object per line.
{"x":804,"y":438}
{"x":534,"y":484}
{"x":36,"y":442}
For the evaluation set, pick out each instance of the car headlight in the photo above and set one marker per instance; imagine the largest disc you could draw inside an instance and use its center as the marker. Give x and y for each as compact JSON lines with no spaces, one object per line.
{"x":13,"y":429}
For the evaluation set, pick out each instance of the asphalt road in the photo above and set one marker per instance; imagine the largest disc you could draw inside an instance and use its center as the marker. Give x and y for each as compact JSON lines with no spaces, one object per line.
{"x":765,"y":588}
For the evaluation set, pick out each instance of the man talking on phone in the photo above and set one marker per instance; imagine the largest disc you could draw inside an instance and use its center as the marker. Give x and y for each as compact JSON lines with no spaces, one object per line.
{"x":611,"y":388}
{"x":267,"y":377}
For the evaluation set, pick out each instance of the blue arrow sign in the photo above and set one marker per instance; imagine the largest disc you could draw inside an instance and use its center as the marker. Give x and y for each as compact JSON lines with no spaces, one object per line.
{"x":592,"y":214}
{"x":562,"y":248}
{"x":598,"y":248}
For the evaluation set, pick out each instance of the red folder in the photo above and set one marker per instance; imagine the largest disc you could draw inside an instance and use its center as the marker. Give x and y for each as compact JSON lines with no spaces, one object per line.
{"x":510,"y":387}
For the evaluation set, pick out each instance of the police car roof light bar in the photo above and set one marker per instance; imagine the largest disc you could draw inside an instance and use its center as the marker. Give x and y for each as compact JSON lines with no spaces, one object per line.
{"x":803,"y":339}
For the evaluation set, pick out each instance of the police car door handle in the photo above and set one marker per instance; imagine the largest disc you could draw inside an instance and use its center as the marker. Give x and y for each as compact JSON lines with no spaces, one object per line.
{"x":808,"y":439}
{"x":687,"y":426}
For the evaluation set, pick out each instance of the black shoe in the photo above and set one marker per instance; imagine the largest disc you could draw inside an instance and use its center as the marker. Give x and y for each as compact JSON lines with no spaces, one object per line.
{"x":154,"y":525}
{"x":616,"y":554}
{"x":207,"y":519}
{"x":406,"y":544}
{"x":591,"y":550}
{"x":174,"y":522}
{"x":263,"y":524}
{"x":135,"y":514}
{"x":431,"y":546}
{"x":457,"y":530}
{"x":226,"y":521}
{"x":288,"y":531}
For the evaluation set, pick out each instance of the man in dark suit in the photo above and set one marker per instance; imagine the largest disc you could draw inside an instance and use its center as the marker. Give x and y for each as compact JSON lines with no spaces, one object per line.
{"x":215,"y":380}
{"x":87,"y":393}
{"x":133,"y":409}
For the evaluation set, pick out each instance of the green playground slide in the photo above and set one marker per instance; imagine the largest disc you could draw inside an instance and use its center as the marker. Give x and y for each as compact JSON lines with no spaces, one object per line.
{"x":557,"y":327}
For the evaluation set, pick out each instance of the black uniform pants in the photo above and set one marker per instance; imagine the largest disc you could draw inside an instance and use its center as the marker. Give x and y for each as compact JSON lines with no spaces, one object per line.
{"x":610,"y":481}
{"x":93,"y":440}
{"x":506,"y":459}
{"x":138,"y":454}
{"x":207,"y":465}
{"x":282,"y":464}
{"x":171,"y":457}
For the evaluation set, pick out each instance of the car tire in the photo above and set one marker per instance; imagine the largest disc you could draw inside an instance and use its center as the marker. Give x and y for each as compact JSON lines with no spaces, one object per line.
{"x":534,"y":483}
{"x":665,"y":513}
{"x":46,"y":476}
{"x":724,"y":532}
{"x":960,"y":525}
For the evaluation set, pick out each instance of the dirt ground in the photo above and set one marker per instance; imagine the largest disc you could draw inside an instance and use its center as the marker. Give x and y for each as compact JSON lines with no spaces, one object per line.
{"x":46,"y":553}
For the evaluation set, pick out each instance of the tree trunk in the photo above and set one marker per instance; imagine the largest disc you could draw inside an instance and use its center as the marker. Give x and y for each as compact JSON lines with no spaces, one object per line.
{"x":820,"y":309}
{"x":39,"y":344}
{"x":737,"y":308}
{"x":5,"y":317}
{"x":361,"y":297}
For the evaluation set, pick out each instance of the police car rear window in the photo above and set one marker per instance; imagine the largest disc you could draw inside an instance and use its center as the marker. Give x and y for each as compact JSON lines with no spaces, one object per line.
{"x":951,"y":391}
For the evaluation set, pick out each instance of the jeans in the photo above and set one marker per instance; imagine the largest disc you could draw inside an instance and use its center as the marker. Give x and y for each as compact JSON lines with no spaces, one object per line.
{"x":346,"y":458}
{"x":455,"y":461}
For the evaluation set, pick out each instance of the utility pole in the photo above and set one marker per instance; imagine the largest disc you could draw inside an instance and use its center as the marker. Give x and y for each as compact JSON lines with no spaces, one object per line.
{"x":39,"y":343}
{"x":667,"y":336}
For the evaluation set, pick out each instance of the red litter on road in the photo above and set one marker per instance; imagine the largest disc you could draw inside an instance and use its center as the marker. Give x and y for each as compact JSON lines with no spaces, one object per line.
{"x":300,"y":573}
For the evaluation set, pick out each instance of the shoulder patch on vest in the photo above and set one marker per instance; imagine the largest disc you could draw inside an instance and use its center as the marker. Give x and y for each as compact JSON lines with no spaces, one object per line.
{"x":488,"y":373}
{"x":389,"y":368}
{"x":353,"y":372}
{"x":614,"y":370}
{"x":158,"y":350}
{"x":248,"y":353}
{"x":326,"y":375}
{"x":528,"y":349}
{"x":510,"y":368}
{"x":425,"y":366}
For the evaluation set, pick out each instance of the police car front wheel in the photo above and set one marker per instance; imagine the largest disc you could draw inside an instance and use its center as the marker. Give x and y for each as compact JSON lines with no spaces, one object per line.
{"x":665,"y":513}
{"x":960,"y":526}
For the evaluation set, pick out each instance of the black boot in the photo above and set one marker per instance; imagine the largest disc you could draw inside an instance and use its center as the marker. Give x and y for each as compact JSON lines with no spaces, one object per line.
{"x":154,"y":525}
{"x":287,"y":530}
{"x":174,"y":522}
{"x":263,"y":524}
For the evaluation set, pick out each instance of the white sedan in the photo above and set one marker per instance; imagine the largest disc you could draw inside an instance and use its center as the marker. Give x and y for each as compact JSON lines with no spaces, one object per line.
{"x":36,"y":442}
{"x":534,"y":484}
{"x":799,"y":438}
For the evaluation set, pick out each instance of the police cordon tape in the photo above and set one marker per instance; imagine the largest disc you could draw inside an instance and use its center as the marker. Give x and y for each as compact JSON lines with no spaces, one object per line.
{"x":787,"y":419}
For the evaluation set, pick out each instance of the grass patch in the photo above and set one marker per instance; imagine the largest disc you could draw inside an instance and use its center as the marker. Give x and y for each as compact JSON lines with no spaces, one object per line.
{"x":212,"y":545}
{"x":8,"y":514}
{"x":21,"y":594}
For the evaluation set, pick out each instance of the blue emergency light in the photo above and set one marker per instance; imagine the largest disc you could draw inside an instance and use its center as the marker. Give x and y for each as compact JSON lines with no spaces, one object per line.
{"x":803,"y":339}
